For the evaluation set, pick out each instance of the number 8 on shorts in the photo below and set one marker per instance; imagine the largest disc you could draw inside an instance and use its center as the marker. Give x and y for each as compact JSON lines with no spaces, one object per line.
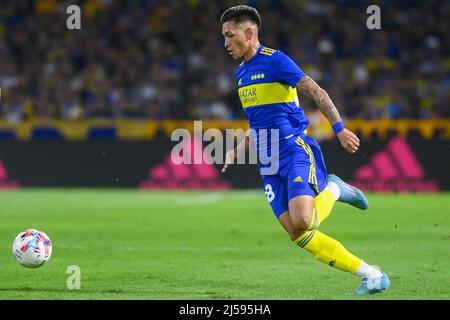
{"x":270,"y":195}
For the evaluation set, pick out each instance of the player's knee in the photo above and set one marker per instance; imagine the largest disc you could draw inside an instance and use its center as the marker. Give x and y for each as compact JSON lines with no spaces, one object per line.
{"x":301,"y":211}
{"x":298,"y":229}
{"x":302,"y":223}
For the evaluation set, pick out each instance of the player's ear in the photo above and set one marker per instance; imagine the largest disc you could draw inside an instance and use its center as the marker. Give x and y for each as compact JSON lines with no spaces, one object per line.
{"x":248,"y":34}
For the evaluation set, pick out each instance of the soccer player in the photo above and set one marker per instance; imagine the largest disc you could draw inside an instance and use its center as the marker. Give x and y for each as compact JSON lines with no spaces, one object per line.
{"x":301,"y":193}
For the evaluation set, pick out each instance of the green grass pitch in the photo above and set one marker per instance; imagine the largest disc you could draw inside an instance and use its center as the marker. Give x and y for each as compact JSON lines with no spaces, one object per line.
{"x":207,"y":245}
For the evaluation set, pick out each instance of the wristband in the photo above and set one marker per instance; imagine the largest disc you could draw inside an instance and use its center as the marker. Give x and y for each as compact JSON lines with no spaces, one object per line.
{"x":338,"y":127}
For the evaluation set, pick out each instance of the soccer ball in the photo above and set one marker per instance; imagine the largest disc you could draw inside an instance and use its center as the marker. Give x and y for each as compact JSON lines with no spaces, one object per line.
{"x":32,"y":248}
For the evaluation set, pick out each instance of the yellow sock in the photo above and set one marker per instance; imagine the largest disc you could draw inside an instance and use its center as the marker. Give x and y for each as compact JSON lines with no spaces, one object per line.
{"x":328,"y":251}
{"x":323,"y":204}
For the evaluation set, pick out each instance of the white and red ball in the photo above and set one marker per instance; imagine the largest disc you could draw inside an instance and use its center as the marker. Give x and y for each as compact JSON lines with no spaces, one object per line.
{"x":32,"y":248}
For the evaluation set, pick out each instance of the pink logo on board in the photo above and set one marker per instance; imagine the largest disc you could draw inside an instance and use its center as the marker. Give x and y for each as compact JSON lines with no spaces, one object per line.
{"x":395,"y":168}
{"x":169,"y":175}
{"x":5,"y":183}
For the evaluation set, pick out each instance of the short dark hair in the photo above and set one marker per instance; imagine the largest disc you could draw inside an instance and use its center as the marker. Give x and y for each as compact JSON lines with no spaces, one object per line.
{"x":241,"y":13}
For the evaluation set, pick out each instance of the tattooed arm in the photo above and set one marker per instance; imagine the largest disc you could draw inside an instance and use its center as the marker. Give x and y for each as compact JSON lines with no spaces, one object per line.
{"x":309,"y":88}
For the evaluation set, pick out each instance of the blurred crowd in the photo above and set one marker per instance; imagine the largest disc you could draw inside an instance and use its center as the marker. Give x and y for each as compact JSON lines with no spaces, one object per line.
{"x":127,"y":59}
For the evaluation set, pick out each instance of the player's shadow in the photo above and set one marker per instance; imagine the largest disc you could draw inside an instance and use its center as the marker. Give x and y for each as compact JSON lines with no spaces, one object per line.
{"x":83,"y":291}
{"x":65,"y":290}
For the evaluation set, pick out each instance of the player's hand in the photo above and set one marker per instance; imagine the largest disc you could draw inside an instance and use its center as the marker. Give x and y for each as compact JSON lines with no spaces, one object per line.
{"x":348,"y":140}
{"x":229,"y":159}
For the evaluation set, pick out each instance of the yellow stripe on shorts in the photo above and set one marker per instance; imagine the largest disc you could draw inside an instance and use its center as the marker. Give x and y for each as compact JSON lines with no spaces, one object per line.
{"x":312,"y":178}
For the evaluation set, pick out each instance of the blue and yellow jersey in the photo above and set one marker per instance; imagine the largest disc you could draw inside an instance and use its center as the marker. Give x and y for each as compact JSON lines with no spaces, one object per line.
{"x":266,"y":85}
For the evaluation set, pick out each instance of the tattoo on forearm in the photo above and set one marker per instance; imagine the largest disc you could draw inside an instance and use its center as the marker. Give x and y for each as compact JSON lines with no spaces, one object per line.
{"x":311,"y":89}
{"x":326,"y":106}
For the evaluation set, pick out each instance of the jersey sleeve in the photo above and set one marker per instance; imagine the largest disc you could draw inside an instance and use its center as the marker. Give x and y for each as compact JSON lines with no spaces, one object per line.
{"x":286,"y":70}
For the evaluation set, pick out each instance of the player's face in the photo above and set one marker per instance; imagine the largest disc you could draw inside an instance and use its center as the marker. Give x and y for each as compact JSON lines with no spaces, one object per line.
{"x":236,"y":41}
